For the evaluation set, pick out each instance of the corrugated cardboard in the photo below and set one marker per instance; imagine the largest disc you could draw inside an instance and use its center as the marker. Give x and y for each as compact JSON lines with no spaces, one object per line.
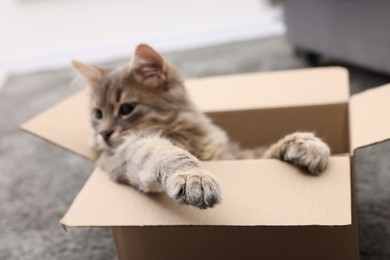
{"x":287,"y":198}
{"x":368,"y":117}
{"x":236,"y":242}
{"x":270,"y":209}
{"x":64,"y":128}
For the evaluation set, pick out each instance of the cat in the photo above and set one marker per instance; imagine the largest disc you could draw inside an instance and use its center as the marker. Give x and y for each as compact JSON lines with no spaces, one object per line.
{"x":149,"y":134}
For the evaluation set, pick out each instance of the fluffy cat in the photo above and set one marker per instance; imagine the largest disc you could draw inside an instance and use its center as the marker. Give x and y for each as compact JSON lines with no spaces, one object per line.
{"x":150,"y":135}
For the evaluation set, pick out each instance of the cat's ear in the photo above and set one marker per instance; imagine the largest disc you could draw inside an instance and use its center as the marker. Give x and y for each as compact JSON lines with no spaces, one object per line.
{"x":148,"y":66}
{"x":91,"y":74}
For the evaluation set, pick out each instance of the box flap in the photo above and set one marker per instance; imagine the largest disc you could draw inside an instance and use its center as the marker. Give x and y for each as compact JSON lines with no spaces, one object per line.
{"x":255,"y":193}
{"x":67,"y":124}
{"x":301,"y":87}
{"x":368,"y":117}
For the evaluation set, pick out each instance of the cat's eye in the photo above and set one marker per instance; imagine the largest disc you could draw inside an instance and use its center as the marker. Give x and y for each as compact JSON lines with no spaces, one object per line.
{"x":126,"y":108}
{"x":98,"y":114}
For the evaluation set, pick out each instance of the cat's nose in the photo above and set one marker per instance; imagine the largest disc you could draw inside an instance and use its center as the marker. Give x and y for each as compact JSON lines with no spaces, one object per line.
{"x":106,"y":134}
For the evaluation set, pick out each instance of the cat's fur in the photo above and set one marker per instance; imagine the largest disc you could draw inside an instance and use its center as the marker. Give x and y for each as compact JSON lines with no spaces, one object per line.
{"x":157,"y":146}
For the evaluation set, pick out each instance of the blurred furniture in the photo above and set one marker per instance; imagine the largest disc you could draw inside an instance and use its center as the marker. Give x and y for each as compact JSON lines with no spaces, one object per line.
{"x":353,"y":31}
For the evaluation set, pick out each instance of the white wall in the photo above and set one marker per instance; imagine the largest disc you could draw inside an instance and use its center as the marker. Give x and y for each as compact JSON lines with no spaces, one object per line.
{"x":38,"y":34}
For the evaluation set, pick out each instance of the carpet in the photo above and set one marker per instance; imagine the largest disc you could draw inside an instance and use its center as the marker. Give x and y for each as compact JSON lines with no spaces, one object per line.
{"x":38,"y":181}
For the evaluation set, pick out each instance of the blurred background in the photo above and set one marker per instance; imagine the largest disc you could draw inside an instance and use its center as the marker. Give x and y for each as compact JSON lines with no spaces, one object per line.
{"x":39,"y":37}
{"x":41,"y":34}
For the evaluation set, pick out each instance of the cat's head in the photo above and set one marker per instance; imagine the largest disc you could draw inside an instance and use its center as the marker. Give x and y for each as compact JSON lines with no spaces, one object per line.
{"x":145,"y":94}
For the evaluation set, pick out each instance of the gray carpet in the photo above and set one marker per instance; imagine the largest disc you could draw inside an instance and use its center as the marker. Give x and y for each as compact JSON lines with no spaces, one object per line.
{"x":39,"y":181}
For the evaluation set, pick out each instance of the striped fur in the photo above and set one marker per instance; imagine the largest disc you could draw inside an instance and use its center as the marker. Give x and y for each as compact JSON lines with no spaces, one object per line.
{"x":157,"y":147}
{"x":153,"y":164}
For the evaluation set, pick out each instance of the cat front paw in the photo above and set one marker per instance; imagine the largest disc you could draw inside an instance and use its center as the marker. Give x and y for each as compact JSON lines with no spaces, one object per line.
{"x":194,"y":187}
{"x":306,"y":151}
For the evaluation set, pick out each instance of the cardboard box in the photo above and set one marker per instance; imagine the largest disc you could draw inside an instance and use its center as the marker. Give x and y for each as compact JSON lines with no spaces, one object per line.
{"x":270,"y":210}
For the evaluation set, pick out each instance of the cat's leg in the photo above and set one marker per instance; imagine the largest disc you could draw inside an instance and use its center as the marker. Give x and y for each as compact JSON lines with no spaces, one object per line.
{"x":303,"y":149}
{"x":153,"y":164}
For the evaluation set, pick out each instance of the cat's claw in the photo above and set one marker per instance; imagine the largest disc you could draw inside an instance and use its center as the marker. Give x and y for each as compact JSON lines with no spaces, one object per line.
{"x":306,"y":151}
{"x":198,"y":188}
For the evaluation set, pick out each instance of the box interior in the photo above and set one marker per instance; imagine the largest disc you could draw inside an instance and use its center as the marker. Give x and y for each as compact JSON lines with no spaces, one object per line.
{"x":262,"y":127}
{"x":271,"y":105}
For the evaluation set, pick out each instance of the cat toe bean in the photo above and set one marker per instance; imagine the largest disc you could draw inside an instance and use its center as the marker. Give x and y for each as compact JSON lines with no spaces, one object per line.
{"x":304,"y":150}
{"x":196,"y":189}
